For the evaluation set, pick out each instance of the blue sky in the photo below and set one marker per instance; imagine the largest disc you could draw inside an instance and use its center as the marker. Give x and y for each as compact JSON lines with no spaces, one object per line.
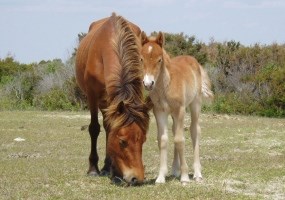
{"x":35,"y":30}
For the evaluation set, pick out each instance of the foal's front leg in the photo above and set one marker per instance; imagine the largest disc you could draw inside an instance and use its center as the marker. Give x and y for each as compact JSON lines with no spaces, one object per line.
{"x":162,"y":138}
{"x":179,"y":142}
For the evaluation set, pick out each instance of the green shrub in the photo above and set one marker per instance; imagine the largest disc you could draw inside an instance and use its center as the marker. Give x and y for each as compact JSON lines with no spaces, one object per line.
{"x":246,"y":79}
{"x":55,"y":99}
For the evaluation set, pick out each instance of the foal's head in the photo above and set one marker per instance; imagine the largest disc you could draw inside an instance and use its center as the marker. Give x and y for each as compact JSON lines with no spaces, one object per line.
{"x":152,"y":58}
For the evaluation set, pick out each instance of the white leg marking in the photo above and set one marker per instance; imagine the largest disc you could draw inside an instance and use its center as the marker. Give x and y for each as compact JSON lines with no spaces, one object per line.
{"x":195,"y":136}
{"x":179,"y":140}
{"x":162,"y":137}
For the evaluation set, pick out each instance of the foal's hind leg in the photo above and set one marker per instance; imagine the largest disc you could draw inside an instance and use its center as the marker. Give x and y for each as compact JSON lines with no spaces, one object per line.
{"x":195,"y":136}
{"x":162,"y":138}
{"x":176,"y":161}
{"x":179,"y":142}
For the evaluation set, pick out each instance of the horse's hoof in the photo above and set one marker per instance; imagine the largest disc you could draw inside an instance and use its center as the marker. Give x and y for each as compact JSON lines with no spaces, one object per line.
{"x":104,"y":173}
{"x":92,"y":173}
{"x":119,"y":181}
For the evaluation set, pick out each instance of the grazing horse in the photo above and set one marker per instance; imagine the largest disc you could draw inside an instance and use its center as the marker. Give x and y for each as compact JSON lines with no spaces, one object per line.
{"x":173,"y":85}
{"x":109,"y":71}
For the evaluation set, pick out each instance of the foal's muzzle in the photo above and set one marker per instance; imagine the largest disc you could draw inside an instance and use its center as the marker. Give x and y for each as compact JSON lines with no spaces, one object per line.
{"x":148,"y":82}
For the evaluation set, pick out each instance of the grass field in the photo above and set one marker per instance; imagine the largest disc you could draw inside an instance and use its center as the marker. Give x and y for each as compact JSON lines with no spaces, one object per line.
{"x":242,"y":158}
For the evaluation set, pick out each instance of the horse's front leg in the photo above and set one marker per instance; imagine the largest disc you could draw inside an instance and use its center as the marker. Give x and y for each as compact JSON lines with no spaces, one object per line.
{"x":179,"y":142}
{"x":106,"y":170}
{"x":162,"y":138}
{"x":94,"y":130}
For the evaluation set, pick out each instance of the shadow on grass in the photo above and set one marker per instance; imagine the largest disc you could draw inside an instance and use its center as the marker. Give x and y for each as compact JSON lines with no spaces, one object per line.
{"x":121,"y":183}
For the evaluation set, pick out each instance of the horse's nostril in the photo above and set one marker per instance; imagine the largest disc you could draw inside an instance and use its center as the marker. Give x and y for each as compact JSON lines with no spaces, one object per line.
{"x":152,"y":82}
{"x":134,"y":180}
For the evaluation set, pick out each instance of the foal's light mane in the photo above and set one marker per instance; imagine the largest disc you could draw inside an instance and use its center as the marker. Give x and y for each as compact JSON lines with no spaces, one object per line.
{"x":126,"y":85}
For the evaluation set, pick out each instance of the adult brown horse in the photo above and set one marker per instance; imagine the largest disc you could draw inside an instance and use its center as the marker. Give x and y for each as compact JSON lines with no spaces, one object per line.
{"x":109,"y":71}
{"x":174,"y":84}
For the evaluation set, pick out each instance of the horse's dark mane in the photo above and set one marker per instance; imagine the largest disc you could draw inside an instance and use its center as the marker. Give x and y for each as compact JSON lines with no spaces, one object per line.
{"x":126,"y":85}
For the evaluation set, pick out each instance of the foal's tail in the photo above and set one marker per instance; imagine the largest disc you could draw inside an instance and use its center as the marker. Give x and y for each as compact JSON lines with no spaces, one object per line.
{"x":206,"y":85}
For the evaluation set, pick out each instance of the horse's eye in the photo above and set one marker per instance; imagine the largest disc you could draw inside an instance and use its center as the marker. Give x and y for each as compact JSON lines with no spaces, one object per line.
{"x":160,"y":60}
{"x":123,"y":143}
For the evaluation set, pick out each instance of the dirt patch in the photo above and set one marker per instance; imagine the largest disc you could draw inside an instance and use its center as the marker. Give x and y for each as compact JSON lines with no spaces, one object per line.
{"x":24,"y":155}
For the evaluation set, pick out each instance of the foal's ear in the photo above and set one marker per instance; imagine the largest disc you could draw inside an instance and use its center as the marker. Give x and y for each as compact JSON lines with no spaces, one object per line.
{"x":160,"y":39}
{"x":144,"y":38}
{"x":121,"y":107}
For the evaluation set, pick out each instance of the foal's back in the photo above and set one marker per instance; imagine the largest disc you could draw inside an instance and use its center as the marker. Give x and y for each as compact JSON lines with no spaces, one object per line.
{"x":185,"y":75}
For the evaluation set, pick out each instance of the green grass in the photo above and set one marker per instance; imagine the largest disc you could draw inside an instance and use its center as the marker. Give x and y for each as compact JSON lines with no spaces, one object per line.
{"x":242,"y":158}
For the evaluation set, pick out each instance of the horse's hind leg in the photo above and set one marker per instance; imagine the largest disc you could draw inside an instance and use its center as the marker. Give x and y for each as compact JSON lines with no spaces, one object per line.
{"x":195,"y":136}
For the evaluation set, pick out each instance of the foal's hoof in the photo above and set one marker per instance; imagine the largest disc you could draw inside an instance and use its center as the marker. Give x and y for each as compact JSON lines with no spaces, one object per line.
{"x":184,"y":183}
{"x":160,"y":180}
{"x":198,"y":179}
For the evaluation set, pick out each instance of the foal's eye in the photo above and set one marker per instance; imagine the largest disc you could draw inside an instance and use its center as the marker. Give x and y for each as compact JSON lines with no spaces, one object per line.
{"x":141,"y":59}
{"x":160,"y":60}
{"x":123,"y":143}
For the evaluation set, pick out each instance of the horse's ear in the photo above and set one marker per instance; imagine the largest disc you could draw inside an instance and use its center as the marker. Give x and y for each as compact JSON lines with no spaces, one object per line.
{"x":121,"y":107}
{"x":160,"y":39}
{"x":144,"y":38}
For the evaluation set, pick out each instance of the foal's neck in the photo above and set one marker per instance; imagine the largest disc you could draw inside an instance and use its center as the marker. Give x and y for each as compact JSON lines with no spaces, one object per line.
{"x":164,"y":76}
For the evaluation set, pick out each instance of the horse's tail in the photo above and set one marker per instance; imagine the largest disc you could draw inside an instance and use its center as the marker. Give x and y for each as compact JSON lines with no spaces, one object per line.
{"x":206,"y":85}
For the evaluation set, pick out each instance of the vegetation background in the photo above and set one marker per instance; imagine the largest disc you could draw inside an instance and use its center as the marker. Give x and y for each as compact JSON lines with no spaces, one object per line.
{"x":245,"y":79}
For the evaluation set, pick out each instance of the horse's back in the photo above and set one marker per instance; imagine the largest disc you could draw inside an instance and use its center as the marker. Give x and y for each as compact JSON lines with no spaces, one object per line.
{"x":84,"y":49}
{"x":97,"y":42}
{"x":96,"y":51}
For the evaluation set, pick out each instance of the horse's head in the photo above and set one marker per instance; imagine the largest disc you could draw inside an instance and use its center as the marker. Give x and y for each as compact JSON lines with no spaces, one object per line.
{"x":125,"y":150}
{"x":152,"y":58}
{"x":128,"y":124}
